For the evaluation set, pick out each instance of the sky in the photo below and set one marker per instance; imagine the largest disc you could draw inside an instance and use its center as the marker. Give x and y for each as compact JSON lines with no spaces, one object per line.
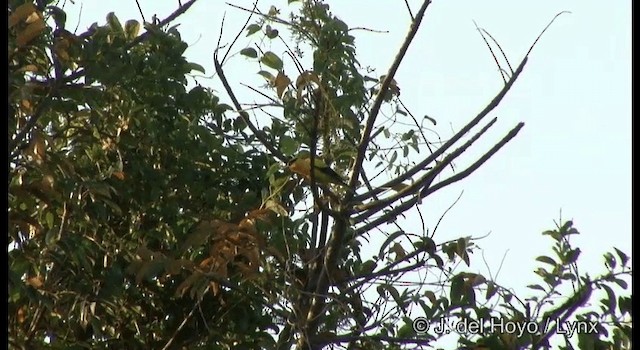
{"x":573,"y":155}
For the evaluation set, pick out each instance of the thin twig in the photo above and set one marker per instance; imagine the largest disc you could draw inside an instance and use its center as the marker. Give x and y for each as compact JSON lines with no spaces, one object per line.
{"x":409,"y":10}
{"x":495,"y":59}
{"x":445,"y":213}
{"x":418,"y":126}
{"x":140,"y":10}
{"x":255,"y":5}
{"x":544,"y":30}
{"x":277,"y":20}
{"x":369,"y":30}
{"x":185,"y":320}
{"x":501,"y":51}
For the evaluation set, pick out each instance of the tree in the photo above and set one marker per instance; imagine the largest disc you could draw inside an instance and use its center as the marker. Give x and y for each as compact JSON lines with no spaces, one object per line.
{"x":147,"y":214}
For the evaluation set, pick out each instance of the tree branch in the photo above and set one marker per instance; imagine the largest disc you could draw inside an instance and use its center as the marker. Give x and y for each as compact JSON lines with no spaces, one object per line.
{"x":492,"y":105}
{"x":428,"y":190}
{"x":364,"y":141}
{"x":424,"y":181}
{"x":461,"y":175}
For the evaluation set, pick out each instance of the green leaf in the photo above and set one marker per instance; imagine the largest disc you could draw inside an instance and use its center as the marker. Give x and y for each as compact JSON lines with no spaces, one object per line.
{"x":131,"y":28}
{"x":609,"y":260}
{"x":249,"y":52}
{"x":431,"y":119}
{"x":406,"y":330}
{"x":536,"y":287}
{"x":624,"y":303}
{"x":431,"y":296}
{"x":288,"y":145}
{"x":610,"y":301}
{"x":587,"y":341}
{"x":271,"y":33}
{"x":194,"y":66}
{"x":438,"y":259}
{"x":52,"y":237}
{"x":546,"y":260}
{"x":113,"y":206}
{"x":407,"y":135}
{"x":572,"y":256}
{"x":457,"y":289}
{"x":507,"y":297}
{"x":394,"y":156}
{"x":367,"y":267}
{"x":271,"y":60}
{"x":623,"y":257}
{"x":114,"y":23}
{"x":267,"y":75}
{"x":253,"y":28}
{"x":492,"y":289}
{"x":622,"y":283}
{"x":389,"y":240}
{"x":428,"y":245}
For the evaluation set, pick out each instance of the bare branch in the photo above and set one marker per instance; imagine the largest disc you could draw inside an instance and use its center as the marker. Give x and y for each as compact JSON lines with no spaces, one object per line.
{"x":501,"y":51}
{"x":430,"y":189}
{"x":423,"y":182}
{"x":255,"y":5}
{"x":375,"y":109}
{"x":504,"y":79}
{"x":409,"y":10}
{"x":461,"y":175}
{"x":544,"y":30}
{"x":185,"y":320}
{"x":421,"y":165}
{"x":140,"y":10}
{"x":445,"y":213}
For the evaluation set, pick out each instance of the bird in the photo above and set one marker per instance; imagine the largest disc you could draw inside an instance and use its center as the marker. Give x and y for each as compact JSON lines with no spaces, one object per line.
{"x":322,"y":173}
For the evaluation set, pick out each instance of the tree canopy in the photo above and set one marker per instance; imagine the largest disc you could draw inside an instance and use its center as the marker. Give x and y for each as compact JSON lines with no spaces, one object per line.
{"x":147,"y":211}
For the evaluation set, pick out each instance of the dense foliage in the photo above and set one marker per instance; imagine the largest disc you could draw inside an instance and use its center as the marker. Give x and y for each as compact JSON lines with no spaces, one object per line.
{"x":145,"y":213}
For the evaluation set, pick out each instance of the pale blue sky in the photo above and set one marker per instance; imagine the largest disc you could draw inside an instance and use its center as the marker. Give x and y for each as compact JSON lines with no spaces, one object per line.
{"x":574,"y":153}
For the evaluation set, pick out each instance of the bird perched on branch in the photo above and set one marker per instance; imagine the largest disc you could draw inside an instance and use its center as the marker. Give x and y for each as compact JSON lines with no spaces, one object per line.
{"x":322,"y":173}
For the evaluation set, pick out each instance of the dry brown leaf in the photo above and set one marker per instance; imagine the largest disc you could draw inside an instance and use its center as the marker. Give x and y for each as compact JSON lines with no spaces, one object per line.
{"x":281,"y":83}
{"x":247,"y":225}
{"x":37,"y":148}
{"x":305,"y":79}
{"x":275,"y":207}
{"x":33,"y":30}
{"x":23,"y":11}
{"x":21,"y":315}
{"x":25,"y":106}
{"x":35,"y":282}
